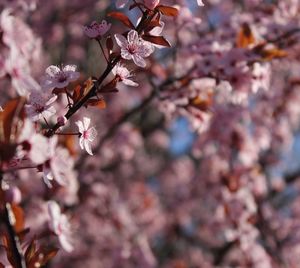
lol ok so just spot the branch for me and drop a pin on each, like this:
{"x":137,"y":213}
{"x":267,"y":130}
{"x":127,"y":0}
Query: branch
{"x":93,"y":91}
{"x":14,"y":239}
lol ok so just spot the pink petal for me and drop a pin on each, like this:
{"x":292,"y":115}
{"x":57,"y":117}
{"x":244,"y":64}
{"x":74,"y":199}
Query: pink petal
{"x":86,"y":122}
{"x":132,"y":36}
{"x":139,"y":61}
{"x":87,"y":147}
{"x":121,"y":40}
{"x":130,"y":83}
{"x":52,"y":70}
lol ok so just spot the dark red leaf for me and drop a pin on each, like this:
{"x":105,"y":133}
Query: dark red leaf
{"x":122,"y":18}
{"x":109,"y":44}
{"x":167,"y":11}
{"x":158,"y":40}
{"x":100,"y":104}
{"x":11,"y":119}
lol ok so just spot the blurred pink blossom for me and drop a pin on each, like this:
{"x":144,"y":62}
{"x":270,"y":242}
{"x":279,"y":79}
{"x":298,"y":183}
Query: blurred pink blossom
{"x":59,"y":224}
{"x":40,"y":106}
{"x":95,"y":29}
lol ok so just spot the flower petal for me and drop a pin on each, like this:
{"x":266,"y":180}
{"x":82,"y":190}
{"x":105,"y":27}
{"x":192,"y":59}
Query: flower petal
{"x":138,"y":60}
{"x":121,"y":40}
{"x":86,"y":122}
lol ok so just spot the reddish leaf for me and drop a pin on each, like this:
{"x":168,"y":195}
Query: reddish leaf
{"x":109,"y":87}
{"x":109,"y":44}
{"x":57,"y":91}
{"x":100,"y":104}
{"x":122,"y":18}
{"x":269,"y":54}
{"x":7,"y":151}
{"x":48,"y":254}
{"x":19,"y":217}
{"x":81,"y":91}
{"x":151,"y":25}
{"x":168,"y":11}
{"x":77,"y":93}
{"x":11,"y":119}
{"x":8,"y":248}
{"x":2,"y":265}
{"x":158,"y":40}
{"x":30,"y":251}
{"x":69,"y":142}
{"x":245,"y":36}
{"x":202,"y":104}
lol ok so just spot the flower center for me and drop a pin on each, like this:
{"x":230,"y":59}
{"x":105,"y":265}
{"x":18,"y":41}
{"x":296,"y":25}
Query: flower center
{"x":38,"y":108}
{"x":61,"y":77}
{"x":85,"y":134}
{"x":131,"y":48}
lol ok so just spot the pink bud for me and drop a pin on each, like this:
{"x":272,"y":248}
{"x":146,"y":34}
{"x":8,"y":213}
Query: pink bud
{"x":13,"y":195}
{"x":151,"y":4}
{"x":61,"y":120}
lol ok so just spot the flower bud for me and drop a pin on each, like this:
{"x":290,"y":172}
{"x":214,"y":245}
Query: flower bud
{"x":61,"y":120}
{"x":13,"y":195}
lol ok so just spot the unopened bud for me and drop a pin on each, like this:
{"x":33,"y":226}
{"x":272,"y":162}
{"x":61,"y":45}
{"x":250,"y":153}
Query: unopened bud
{"x":61,"y":120}
{"x":13,"y":195}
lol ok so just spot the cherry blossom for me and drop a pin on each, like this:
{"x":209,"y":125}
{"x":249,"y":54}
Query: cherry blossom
{"x":58,"y":164}
{"x":59,"y":224}
{"x":40,"y":106}
{"x":59,"y":77}
{"x":123,"y":74}
{"x":95,"y":29}
{"x":134,"y":48}
{"x":32,"y":144}
{"x":87,"y":134}
{"x":18,"y":69}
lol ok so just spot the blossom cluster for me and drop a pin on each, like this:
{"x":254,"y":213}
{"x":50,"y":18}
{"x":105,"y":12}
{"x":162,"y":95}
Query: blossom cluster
{"x":149,"y":133}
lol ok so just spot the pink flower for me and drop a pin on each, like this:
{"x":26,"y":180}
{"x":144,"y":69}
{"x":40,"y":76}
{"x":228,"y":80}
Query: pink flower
{"x":59,"y":77}
{"x":151,"y":4}
{"x":121,"y":3}
{"x":123,"y":74}
{"x":40,"y":106}
{"x":32,"y":145}
{"x":96,"y":29}
{"x":58,"y":166}
{"x":87,"y":134}
{"x":59,"y":224}
{"x":134,"y":48}
{"x":18,"y":70}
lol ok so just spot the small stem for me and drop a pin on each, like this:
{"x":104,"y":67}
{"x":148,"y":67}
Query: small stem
{"x":46,"y":122}
{"x":68,"y":134}
{"x":18,"y":168}
{"x":102,"y":49}
{"x":68,"y":97}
